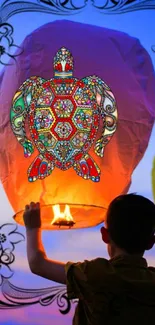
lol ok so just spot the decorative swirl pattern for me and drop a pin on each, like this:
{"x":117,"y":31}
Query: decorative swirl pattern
{"x":10,"y":8}
{"x":122,"y":6}
{"x":61,"y":7}
{"x":16,"y":297}
{"x":18,"y":122}
{"x":8,"y":238}
{"x":17,"y":109}
{"x":62,"y":301}
{"x":7,"y":258}
{"x":7,"y":46}
{"x":111,"y":123}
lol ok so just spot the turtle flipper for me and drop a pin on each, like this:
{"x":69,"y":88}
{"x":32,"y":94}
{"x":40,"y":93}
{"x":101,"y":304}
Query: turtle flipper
{"x":107,"y":108}
{"x":20,"y":109}
{"x":40,"y":168}
{"x":87,"y":168}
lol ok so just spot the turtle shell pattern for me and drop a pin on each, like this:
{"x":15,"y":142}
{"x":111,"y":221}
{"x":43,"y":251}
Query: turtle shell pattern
{"x":64,"y":121}
{"x":64,"y":116}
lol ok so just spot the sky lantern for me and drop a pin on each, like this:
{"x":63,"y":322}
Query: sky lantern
{"x":76,"y":115}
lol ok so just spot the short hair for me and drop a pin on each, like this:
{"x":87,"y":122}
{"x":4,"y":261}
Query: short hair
{"x":131,"y":222}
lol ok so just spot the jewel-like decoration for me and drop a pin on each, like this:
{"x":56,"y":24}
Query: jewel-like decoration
{"x":63,"y":107}
{"x":63,"y":150}
{"x":63,"y":64}
{"x":48,"y":140}
{"x":64,"y":115}
{"x":45,"y":98}
{"x":79,"y":139}
{"x":83,"y":118}
{"x":44,"y":119}
{"x":63,"y":130}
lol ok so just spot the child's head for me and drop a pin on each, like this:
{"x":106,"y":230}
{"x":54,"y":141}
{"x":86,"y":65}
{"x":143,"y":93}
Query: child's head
{"x":130,"y":224}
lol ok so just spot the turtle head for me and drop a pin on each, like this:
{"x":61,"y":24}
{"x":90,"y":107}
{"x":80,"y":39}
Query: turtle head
{"x":63,"y":64}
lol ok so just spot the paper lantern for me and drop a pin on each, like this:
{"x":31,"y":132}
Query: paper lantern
{"x":125,"y":71}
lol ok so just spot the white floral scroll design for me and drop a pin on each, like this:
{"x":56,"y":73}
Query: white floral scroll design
{"x":9,"y":8}
{"x":9,"y":237}
{"x":8,"y":50}
{"x":16,"y":297}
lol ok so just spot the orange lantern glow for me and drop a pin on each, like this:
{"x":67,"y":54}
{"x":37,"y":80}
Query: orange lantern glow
{"x":77,"y":194}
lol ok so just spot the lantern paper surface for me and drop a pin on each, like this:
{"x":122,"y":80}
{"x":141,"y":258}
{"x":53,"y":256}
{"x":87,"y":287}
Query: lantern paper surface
{"x":79,"y":144}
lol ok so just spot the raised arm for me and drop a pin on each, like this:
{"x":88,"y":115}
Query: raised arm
{"x":38,"y":262}
{"x":20,"y":109}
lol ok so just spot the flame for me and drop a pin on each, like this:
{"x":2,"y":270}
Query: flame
{"x":58,"y":215}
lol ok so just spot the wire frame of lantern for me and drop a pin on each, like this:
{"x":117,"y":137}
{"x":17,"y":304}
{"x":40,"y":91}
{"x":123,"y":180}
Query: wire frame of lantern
{"x":66,"y":216}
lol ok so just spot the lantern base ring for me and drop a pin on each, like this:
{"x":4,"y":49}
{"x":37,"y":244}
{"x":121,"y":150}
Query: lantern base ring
{"x":82,"y":216}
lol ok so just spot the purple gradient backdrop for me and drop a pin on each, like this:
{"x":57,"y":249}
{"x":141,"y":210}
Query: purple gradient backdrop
{"x":87,"y":243}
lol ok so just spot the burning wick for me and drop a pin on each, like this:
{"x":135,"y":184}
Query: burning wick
{"x":62,"y":218}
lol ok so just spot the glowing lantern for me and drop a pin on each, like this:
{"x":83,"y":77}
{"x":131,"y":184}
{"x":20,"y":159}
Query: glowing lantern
{"x":64,"y":116}
{"x":126,"y":74}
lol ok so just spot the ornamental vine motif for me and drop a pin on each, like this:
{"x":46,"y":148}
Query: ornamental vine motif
{"x":15,"y":297}
{"x":8,"y":50}
{"x":9,"y":8}
{"x":68,"y":7}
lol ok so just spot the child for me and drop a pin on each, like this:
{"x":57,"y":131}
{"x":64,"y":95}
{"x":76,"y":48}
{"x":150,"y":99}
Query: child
{"x":116,"y":291}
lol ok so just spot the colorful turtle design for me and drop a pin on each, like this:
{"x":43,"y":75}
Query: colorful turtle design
{"x":64,"y":115}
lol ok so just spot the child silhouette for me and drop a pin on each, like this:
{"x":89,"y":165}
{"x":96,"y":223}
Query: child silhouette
{"x":120,"y":290}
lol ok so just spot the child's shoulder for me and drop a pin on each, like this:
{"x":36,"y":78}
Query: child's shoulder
{"x":99,"y":261}
{"x":99,"y":265}
{"x":151,"y":268}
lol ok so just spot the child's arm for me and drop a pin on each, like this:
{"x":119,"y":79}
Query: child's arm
{"x":38,"y":262}
{"x":75,"y":275}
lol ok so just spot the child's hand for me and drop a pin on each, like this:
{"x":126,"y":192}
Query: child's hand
{"x":31,"y":215}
